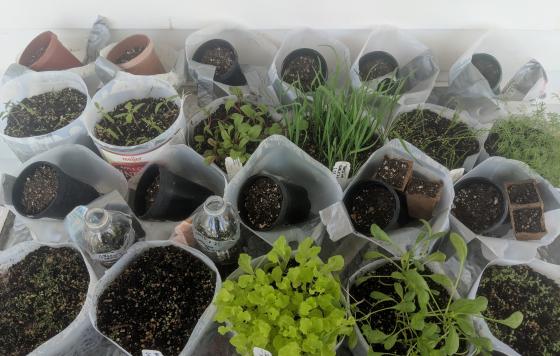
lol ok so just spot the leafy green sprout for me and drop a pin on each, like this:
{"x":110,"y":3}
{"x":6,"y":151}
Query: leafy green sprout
{"x":289,"y":304}
{"x":339,"y":124}
{"x":422,"y":325}
{"x":245,"y":124}
{"x":531,"y":138}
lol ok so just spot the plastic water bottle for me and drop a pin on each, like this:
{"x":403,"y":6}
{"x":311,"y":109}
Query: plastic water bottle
{"x":216,"y":230}
{"x":107,"y":235}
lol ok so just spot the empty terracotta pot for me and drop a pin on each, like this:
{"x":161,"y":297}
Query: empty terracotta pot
{"x":46,"y":52}
{"x":136,"y":54}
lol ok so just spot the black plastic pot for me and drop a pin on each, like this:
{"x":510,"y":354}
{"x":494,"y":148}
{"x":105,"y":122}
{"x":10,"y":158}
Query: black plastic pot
{"x":176,"y":199}
{"x":71,"y":193}
{"x":490,"y":69}
{"x":352,"y":191}
{"x":295,"y":201}
{"x":379,"y":57}
{"x":308,"y":52}
{"x":499,"y":227}
{"x":234,"y":76}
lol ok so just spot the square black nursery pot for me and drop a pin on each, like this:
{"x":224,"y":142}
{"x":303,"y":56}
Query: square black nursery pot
{"x":69,"y":193}
{"x":163,"y":195}
{"x":233,"y":75}
{"x":293,"y":206}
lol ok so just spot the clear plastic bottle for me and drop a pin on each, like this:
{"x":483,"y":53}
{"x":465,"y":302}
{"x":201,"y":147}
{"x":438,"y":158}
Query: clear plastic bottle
{"x":107,"y":234}
{"x":216,"y":230}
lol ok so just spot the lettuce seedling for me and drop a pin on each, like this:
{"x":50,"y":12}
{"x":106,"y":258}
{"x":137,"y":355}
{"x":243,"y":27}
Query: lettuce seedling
{"x":288,"y":304}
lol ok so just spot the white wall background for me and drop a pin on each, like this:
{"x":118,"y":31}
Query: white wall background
{"x":267,"y":14}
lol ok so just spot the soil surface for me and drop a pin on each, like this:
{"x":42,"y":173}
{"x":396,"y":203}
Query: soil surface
{"x":39,"y":190}
{"x":420,"y":186}
{"x":35,"y":56}
{"x":39,"y":297}
{"x":129,"y":54}
{"x":156,"y":301}
{"x":449,"y":142}
{"x":151,"y":193}
{"x":395,"y":172}
{"x":222,"y":57}
{"x":523,"y":193}
{"x":375,"y":68}
{"x":262,"y":203}
{"x":519,"y":288}
{"x":304,"y":71}
{"x":385,"y":320}
{"x":136,"y":121}
{"x":478,"y":206}
{"x":528,"y":220}
{"x":369,"y":204}
{"x":44,"y":113}
{"x":488,"y":69}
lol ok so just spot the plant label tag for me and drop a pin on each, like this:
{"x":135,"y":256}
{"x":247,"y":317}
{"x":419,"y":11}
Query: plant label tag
{"x":341,"y":171}
{"x":151,"y":353}
{"x":233,"y":166}
{"x":456,"y":174}
{"x":257,"y":351}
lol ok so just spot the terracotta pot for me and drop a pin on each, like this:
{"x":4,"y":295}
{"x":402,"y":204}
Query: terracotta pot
{"x":516,"y":207}
{"x":407,"y":174}
{"x":513,"y":205}
{"x":145,"y":63}
{"x":46,"y":52}
{"x":421,"y":206}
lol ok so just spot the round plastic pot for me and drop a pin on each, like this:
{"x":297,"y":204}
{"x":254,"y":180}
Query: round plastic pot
{"x":305,"y":52}
{"x":145,"y":63}
{"x":234,"y":76}
{"x":398,"y":200}
{"x":378,"y":56}
{"x":176,"y":199}
{"x":497,"y":226}
{"x":54,"y":57}
{"x":71,"y":193}
{"x":485,"y":62}
{"x":295,"y":202}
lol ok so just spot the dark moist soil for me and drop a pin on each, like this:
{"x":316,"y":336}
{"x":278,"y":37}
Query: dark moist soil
{"x":519,"y":288}
{"x":221,"y":115}
{"x":35,"y":56}
{"x":446,"y":141}
{"x":375,"y":68}
{"x":478,"y":206}
{"x":39,"y":190}
{"x":370,"y":204}
{"x":528,"y":220}
{"x":261,"y":202}
{"x":394,"y":172}
{"x":223,"y":58}
{"x":151,"y":193}
{"x":156,"y":301}
{"x":488,"y":70}
{"x":146,"y":123}
{"x":44,"y":113}
{"x":523,"y":193}
{"x":421,"y":186}
{"x":129,"y":54}
{"x":302,"y":71}
{"x":39,"y":297}
{"x":386,"y":320}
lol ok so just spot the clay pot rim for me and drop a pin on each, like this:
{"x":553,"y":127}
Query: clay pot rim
{"x":117,"y":50}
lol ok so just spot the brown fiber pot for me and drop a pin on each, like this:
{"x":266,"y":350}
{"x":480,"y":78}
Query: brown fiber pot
{"x":145,"y":63}
{"x":54,"y":57}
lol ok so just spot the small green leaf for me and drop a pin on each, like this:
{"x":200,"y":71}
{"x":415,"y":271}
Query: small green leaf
{"x":452,"y":341}
{"x":390,"y":342}
{"x":229,"y":104}
{"x":459,"y":245}
{"x":373,"y":255}
{"x":442,"y":280}
{"x":379,"y":234}
{"x":513,"y":321}
{"x":469,"y":306}
{"x":417,"y":321}
{"x":244,"y":262}
{"x":199,"y":138}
